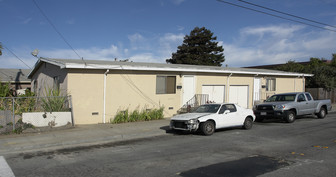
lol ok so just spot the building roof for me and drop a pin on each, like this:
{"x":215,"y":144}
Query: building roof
{"x":118,"y":65}
{"x":14,"y":75}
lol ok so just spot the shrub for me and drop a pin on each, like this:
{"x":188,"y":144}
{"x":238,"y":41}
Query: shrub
{"x":136,"y":115}
{"x":54,"y":101}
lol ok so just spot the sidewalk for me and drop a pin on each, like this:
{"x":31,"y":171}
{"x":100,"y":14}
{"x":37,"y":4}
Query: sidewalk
{"x":81,"y":135}
{"x":84,"y":135}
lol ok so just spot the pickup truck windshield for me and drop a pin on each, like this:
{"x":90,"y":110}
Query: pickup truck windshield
{"x":209,"y":108}
{"x":280,"y":98}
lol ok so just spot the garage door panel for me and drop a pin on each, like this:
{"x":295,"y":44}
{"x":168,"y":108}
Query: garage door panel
{"x":239,"y":95}
{"x":215,"y":92}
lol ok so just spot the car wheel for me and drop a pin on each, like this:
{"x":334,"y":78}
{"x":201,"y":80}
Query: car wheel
{"x":248,"y":123}
{"x":290,"y":117}
{"x":208,"y":128}
{"x":322,"y":113}
{"x":259,"y":119}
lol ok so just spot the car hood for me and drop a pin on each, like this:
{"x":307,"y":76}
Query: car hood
{"x":273,"y":103}
{"x":189,"y":116}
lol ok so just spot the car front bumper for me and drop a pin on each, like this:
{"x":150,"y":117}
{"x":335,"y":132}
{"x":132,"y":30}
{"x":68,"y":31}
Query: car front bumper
{"x":271,"y":113}
{"x":183,"y":125}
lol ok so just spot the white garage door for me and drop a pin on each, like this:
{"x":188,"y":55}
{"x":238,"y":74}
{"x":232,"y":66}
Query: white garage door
{"x":215,"y":92}
{"x":239,"y":95}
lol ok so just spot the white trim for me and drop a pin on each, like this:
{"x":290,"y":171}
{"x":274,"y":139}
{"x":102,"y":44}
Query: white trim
{"x":150,"y":68}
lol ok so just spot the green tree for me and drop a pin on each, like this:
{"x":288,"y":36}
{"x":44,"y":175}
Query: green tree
{"x":333,"y":60}
{"x":324,"y":77}
{"x":291,"y":66}
{"x":0,"y":49}
{"x":324,"y":74}
{"x":199,"y":48}
{"x":5,"y":90}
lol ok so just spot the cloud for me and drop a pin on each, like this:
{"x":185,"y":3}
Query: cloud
{"x":70,"y":21}
{"x":256,"y":45}
{"x":277,"y":44}
{"x":26,"y":21}
{"x":138,"y":42}
{"x":178,"y":2}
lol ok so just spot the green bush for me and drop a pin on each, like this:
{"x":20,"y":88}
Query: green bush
{"x":136,"y":115}
{"x":54,"y":102}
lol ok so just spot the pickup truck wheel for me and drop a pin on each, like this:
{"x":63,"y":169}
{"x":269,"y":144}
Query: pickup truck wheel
{"x":208,"y":128}
{"x":248,"y":123}
{"x":322,"y":113}
{"x":290,"y":117}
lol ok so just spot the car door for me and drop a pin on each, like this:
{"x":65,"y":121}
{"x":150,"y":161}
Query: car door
{"x":311,"y":104}
{"x":227,"y":116}
{"x":302,"y":104}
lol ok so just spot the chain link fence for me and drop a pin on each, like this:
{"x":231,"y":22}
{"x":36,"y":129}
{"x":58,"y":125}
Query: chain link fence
{"x":16,"y":112}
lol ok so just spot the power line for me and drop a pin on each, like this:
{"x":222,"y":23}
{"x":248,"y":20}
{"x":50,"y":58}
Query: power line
{"x":275,"y":15}
{"x":54,"y":27}
{"x":302,"y":18}
{"x":16,"y":56}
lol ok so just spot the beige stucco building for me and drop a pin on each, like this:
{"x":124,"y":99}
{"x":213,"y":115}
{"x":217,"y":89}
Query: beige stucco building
{"x":99,"y":89}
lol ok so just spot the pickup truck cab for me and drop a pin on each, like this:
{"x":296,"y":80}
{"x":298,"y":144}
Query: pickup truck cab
{"x":289,"y":105}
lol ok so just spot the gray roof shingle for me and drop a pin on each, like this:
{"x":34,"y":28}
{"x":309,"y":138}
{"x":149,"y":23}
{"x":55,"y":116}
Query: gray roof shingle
{"x":14,"y":75}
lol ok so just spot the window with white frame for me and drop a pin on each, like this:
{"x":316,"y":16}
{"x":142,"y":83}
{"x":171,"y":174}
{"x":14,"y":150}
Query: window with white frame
{"x":165,"y":84}
{"x":270,"y":84}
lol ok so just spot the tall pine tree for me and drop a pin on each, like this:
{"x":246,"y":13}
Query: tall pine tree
{"x":199,"y":48}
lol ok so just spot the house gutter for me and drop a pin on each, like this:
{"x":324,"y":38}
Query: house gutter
{"x":104,"y":104}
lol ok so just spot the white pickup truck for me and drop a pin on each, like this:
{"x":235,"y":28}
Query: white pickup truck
{"x":289,"y":105}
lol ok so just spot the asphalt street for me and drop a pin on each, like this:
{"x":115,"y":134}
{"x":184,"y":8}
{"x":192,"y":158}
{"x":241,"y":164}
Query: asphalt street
{"x":306,"y":147}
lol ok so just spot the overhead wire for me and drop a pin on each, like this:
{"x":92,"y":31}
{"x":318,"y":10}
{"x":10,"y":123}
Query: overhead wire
{"x":259,"y":11}
{"x":54,"y":27}
{"x":16,"y":56}
{"x":288,"y":14}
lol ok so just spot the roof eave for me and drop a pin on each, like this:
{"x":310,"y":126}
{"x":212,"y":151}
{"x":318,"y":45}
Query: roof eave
{"x":120,"y":67}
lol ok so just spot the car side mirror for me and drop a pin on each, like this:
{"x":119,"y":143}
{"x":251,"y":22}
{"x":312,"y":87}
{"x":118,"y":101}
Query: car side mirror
{"x":227,"y":111}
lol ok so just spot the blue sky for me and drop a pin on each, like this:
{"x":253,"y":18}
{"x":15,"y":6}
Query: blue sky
{"x":150,"y":30}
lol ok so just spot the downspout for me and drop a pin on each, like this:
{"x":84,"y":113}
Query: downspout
{"x":303,"y":84}
{"x":228,"y":88}
{"x":104,"y":104}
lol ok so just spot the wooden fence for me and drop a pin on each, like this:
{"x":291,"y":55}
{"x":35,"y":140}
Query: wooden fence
{"x":320,"y":94}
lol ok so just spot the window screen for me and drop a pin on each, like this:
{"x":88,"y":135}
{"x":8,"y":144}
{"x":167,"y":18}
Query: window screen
{"x":270,"y":84}
{"x":165,"y":84}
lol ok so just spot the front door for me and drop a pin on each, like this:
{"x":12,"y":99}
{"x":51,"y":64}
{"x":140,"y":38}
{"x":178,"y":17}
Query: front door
{"x":188,"y":88}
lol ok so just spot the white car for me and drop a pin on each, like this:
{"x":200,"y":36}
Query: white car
{"x":210,"y":117}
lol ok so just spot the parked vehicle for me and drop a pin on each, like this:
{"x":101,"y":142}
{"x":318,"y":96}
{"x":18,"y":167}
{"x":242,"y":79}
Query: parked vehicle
{"x":289,"y":105}
{"x":209,"y":117}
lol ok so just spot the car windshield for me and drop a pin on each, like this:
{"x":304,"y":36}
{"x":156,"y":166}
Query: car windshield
{"x":208,"y":108}
{"x":279,"y":98}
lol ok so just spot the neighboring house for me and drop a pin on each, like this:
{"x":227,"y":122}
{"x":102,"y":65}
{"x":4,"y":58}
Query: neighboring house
{"x":101,"y":88}
{"x":17,"y":78}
